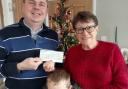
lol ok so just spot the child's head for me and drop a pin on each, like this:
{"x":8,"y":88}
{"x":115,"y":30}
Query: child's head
{"x":58,"y":79}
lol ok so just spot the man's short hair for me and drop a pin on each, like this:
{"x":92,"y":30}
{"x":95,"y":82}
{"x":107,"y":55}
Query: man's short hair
{"x":24,"y":1}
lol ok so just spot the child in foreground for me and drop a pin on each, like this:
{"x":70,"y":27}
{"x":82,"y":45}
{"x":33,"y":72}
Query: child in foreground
{"x":59,"y":79}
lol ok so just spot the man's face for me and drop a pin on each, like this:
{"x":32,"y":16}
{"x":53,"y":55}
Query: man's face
{"x":35,"y":10}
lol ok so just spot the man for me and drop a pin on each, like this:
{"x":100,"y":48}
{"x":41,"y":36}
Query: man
{"x":20,"y":45}
{"x":59,"y":79}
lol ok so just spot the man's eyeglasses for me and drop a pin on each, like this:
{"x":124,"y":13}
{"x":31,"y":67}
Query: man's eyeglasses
{"x":89,"y":29}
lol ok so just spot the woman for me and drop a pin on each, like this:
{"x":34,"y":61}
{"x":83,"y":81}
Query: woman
{"x":94,"y":64}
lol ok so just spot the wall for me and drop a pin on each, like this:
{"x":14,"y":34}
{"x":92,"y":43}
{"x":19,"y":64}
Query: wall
{"x":7,"y":12}
{"x":112,"y":13}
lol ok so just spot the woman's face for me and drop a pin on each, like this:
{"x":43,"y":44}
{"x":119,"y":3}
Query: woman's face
{"x":86,"y":32}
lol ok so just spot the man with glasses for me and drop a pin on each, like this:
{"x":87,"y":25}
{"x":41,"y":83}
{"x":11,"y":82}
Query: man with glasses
{"x":20,"y":45}
{"x":94,"y":64}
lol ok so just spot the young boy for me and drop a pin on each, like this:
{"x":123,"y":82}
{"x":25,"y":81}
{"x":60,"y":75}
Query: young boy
{"x":59,"y":79}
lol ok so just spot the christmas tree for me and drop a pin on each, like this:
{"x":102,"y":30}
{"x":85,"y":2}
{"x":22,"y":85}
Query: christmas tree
{"x":61,"y":23}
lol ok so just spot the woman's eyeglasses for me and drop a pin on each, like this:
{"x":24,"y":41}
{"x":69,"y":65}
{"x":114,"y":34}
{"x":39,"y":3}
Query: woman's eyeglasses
{"x":89,"y":29}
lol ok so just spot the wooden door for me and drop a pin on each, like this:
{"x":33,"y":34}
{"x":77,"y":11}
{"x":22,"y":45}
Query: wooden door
{"x":79,"y":5}
{"x":75,"y":6}
{"x":17,"y":9}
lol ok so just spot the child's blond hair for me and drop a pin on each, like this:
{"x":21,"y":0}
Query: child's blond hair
{"x":57,"y":76}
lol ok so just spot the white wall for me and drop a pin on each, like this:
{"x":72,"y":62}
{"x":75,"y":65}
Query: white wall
{"x":7,"y":12}
{"x":112,"y":13}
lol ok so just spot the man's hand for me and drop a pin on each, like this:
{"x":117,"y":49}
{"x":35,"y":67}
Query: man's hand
{"x":49,"y":66}
{"x":29,"y":64}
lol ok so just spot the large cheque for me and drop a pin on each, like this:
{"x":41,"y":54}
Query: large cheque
{"x":55,"y":56}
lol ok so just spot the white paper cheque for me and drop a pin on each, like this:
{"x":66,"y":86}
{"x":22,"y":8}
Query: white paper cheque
{"x":55,"y":56}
